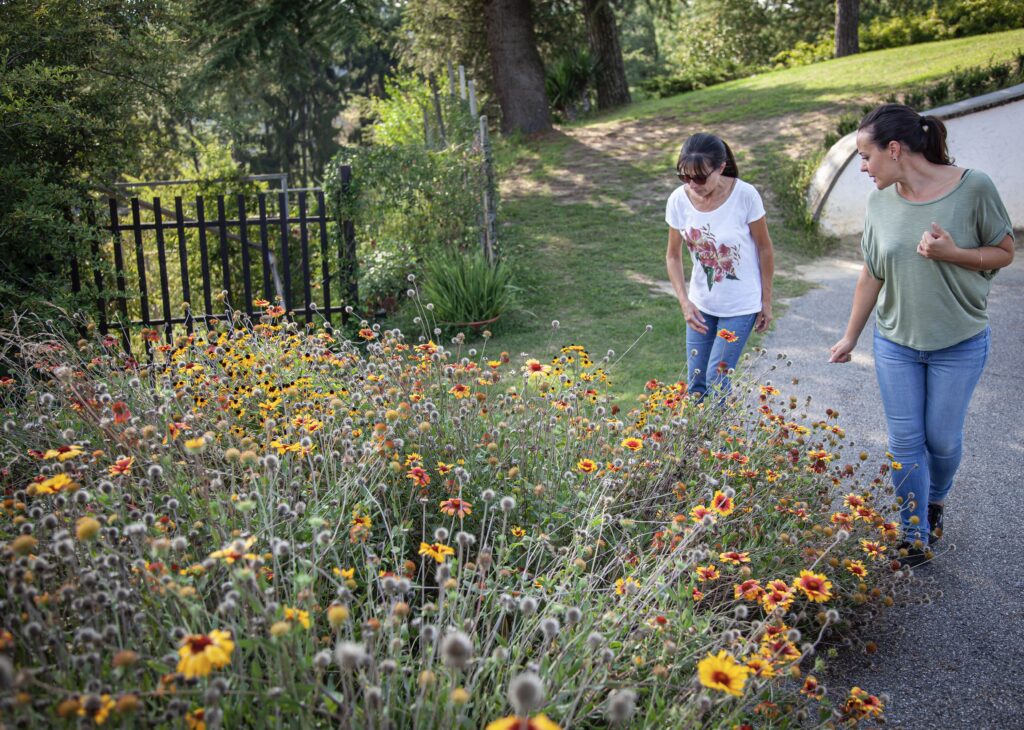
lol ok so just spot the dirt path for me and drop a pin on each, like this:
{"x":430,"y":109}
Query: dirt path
{"x":613,"y":155}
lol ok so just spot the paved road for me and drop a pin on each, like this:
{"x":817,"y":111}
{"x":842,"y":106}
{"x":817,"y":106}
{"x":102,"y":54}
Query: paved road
{"x":957,"y":661}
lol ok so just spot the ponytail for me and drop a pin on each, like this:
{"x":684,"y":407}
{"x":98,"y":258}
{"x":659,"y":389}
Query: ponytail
{"x":925,"y":135}
{"x":703,"y":152}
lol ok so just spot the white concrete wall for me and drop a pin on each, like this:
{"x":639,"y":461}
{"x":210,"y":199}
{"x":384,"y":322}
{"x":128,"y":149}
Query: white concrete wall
{"x":986,"y":137}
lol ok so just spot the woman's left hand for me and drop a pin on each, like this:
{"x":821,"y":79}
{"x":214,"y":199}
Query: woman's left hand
{"x":764,"y":318}
{"x":936,"y":244}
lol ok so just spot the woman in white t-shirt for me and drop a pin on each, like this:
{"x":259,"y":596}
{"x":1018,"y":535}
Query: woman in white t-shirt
{"x":721,"y":221}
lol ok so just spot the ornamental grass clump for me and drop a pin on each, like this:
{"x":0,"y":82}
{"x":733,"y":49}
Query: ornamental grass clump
{"x":267,"y":525}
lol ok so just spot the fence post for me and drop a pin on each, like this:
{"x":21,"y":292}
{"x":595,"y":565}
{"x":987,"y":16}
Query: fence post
{"x":451,"y":79}
{"x":437,"y":109}
{"x":472,"y":98}
{"x":462,"y":81}
{"x":347,"y":271}
{"x":489,"y":194}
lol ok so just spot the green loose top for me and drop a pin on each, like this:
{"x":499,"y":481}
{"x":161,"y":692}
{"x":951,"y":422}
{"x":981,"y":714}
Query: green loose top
{"x":927,"y":304}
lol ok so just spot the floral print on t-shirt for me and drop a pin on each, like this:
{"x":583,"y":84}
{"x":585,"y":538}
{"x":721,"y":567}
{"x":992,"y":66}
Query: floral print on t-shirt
{"x":719,"y":261}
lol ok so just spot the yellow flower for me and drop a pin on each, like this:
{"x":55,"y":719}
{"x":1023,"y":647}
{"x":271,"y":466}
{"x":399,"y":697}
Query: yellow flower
{"x":86,"y":528}
{"x":437,"y":551}
{"x":624,"y":586}
{"x":194,"y":446}
{"x":100,"y":715}
{"x":296,"y":614}
{"x":337,"y":615}
{"x":586,"y":465}
{"x":202,"y":653}
{"x":723,"y":672}
{"x":52,"y":485}
{"x":632,"y":443}
{"x":537,"y":722}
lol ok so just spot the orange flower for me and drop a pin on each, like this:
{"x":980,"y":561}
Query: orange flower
{"x":699,"y":512}
{"x":419,"y":476}
{"x":460,"y":390}
{"x":749,"y":590}
{"x":456,"y":507}
{"x":872,"y":548}
{"x":815,"y":586}
{"x":122,"y":466}
{"x":121,"y":412}
{"x":727,"y":335}
{"x":810,"y":687}
{"x":734,"y":558}
{"x":632,"y":443}
{"x":722,"y":504}
{"x":707,"y":572}
{"x":586,"y":466}
{"x":857,"y":568}
{"x":518,"y":531}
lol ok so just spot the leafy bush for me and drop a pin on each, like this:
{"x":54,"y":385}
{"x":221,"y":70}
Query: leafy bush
{"x":389,"y":532}
{"x":397,"y":118}
{"x":804,"y":53}
{"x":409,"y":204}
{"x":670,"y":85}
{"x":903,"y":31}
{"x":464,"y":288}
{"x":567,"y":81}
{"x":953,"y":19}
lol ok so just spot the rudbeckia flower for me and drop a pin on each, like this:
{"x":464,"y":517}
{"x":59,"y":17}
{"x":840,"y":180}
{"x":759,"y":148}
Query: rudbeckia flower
{"x":437,"y":551}
{"x":202,"y":653}
{"x":723,"y":672}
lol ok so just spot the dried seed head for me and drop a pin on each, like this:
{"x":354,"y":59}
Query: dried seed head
{"x":507,"y":504}
{"x":526,"y":693}
{"x":550,"y":627}
{"x":456,"y":649}
{"x":528,"y":605}
{"x":621,"y":706}
{"x":350,"y":655}
{"x":573,"y":616}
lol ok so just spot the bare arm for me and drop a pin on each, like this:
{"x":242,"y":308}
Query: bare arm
{"x":674,"y":264}
{"x":864,"y":298}
{"x":766,"y":261}
{"x":938,"y":244}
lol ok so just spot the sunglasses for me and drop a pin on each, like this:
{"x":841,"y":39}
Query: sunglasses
{"x":687,"y":179}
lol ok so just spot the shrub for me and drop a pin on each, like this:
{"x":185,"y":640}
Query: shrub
{"x":804,"y":53}
{"x":567,"y":81}
{"x":463,"y":288}
{"x":269,"y":525}
{"x":408,"y":204}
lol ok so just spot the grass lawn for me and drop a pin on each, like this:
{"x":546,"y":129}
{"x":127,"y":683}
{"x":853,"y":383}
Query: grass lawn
{"x":583,"y":259}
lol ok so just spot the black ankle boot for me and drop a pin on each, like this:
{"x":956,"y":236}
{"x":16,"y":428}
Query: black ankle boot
{"x":934,"y":523}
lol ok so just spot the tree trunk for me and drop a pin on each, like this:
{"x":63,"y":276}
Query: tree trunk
{"x":847,"y":18}
{"x":516,"y":66}
{"x":603,"y":35}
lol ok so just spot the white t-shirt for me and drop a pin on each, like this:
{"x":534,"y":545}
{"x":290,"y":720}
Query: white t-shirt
{"x":726,"y":279}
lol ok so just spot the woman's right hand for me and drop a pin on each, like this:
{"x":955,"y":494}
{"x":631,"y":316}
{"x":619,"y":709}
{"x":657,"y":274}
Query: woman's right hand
{"x":694,"y":319}
{"x":841,"y":351}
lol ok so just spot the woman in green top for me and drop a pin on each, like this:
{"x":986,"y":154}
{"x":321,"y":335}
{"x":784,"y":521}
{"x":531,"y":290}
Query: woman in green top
{"x":934,"y":236}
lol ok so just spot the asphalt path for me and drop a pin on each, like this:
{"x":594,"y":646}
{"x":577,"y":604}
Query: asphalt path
{"x":955,"y":657}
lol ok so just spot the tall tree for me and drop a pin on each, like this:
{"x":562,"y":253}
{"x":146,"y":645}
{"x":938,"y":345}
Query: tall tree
{"x":603,"y":35}
{"x":277,"y":73}
{"x":847,"y":19}
{"x":516,"y":66}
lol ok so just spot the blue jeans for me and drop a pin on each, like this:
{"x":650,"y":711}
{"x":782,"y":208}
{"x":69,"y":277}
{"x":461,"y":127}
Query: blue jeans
{"x":709,"y":358}
{"x":925,"y":395}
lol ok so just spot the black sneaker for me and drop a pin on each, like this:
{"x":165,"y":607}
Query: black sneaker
{"x":934,"y":523}
{"x":910,"y":556}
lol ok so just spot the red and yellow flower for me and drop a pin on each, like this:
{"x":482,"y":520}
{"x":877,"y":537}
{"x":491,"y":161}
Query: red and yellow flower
{"x":200,"y":654}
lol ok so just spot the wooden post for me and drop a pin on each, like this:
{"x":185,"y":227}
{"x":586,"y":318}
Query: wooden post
{"x":489,"y":194}
{"x":428,"y":138}
{"x":462,"y":81}
{"x":451,"y":79}
{"x":437,"y":110}
{"x":472,"y":98}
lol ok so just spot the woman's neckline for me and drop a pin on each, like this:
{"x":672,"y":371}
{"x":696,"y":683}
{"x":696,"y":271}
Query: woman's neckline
{"x":735,"y":181}
{"x":963,"y":177}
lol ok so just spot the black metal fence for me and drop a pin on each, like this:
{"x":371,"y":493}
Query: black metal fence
{"x":246,"y":249}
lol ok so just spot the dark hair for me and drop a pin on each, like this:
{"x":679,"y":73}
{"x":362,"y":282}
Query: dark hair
{"x":703,"y":152}
{"x":899,"y":123}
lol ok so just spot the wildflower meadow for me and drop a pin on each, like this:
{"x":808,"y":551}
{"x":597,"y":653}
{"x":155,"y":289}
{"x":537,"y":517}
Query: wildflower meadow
{"x":269,"y":525}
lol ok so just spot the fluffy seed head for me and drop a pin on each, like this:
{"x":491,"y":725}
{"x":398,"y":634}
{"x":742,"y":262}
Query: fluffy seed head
{"x":526,"y":693}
